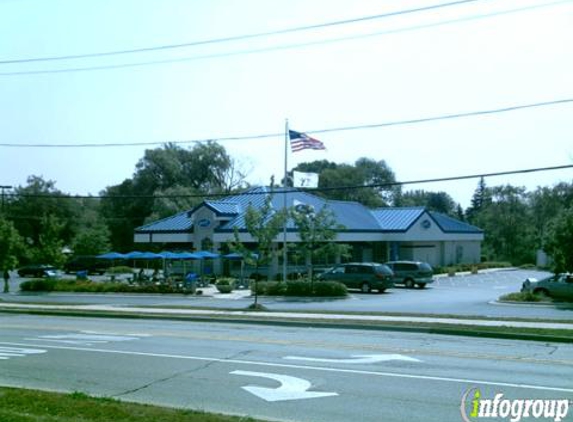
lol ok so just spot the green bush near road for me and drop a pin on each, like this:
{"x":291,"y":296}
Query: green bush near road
{"x":301,"y":288}
{"x":87,"y":286}
{"x":470,"y":267}
{"x":524,"y":297}
{"x":20,"y":405}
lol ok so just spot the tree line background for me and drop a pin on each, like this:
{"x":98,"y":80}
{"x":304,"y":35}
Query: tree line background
{"x":37,"y":220}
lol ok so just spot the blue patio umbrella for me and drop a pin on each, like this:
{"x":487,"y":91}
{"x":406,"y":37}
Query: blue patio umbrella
{"x":150,"y":255}
{"x":207,"y":255}
{"x":169,"y":255}
{"x":235,"y":256}
{"x":111,"y":255}
{"x":133,"y":255}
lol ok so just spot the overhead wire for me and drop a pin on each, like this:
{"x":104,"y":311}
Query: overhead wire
{"x":311,"y":131}
{"x":268,"y":49}
{"x":240,"y":37}
{"x":279,"y":190}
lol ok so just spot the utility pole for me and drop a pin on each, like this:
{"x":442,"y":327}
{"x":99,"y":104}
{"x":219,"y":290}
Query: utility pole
{"x":3,"y":188}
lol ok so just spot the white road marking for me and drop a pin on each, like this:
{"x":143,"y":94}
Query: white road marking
{"x":86,"y":338}
{"x":291,"y":388}
{"x":357,"y":359}
{"x":303,"y":367}
{"x":16,"y":352}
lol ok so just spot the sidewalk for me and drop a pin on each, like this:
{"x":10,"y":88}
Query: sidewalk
{"x":292,"y":316}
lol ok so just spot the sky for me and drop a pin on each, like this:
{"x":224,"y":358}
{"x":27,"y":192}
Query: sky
{"x":475,"y":56}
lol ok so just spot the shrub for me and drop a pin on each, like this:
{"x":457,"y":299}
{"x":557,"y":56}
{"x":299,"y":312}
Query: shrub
{"x":87,"y":286}
{"x":524,"y":297}
{"x":302,"y":288}
{"x":330,"y":288}
{"x":38,"y":285}
{"x":225,"y":281}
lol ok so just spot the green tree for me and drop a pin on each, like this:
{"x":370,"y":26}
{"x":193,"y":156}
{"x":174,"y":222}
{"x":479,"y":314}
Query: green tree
{"x":171,"y":170}
{"x":11,"y":246}
{"x":506,"y":221}
{"x":317,"y":232}
{"x":545,"y":204}
{"x":480,"y":199}
{"x":173,"y":200}
{"x":44,"y":217}
{"x":92,"y":241}
{"x":50,"y":245}
{"x":558,"y":241}
{"x":373,"y":181}
{"x":123,"y":209}
{"x":433,"y":201}
{"x":264,"y":225}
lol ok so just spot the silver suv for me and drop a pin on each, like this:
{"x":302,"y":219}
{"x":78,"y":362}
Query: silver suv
{"x":411,"y":273}
{"x":366,"y":276}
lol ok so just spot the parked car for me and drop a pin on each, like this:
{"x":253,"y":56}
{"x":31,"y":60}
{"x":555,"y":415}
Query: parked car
{"x":40,"y":270}
{"x":556,"y":286}
{"x":87,"y":263}
{"x":411,"y":273}
{"x":366,"y":276}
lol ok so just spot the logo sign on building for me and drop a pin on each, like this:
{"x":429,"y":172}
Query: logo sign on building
{"x":204,"y":223}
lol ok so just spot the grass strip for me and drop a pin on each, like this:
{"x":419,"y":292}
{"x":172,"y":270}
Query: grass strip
{"x":22,"y":405}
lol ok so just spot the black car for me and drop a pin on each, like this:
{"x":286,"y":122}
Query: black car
{"x":90,"y":264}
{"x":40,"y":270}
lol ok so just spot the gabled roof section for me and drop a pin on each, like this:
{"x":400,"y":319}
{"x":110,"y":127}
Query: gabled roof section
{"x":223,"y":208}
{"x":452,"y":225}
{"x":397,"y":219}
{"x":176,"y":223}
{"x":352,"y":215}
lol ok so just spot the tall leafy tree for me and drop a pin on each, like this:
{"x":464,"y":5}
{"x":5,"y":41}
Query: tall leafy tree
{"x":558,"y":241}
{"x":317,"y":232}
{"x":372,"y":181}
{"x":505,"y":219}
{"x":264,"y":224}
{"x":204,"y":169}
{"x":44,"y":216}
{"x":545,"y":204}
{"x":433,"y":201}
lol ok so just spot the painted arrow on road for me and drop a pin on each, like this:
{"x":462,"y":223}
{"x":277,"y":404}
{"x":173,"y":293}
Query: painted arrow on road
{"x":291,"y":388}
{"x":356,"y":359}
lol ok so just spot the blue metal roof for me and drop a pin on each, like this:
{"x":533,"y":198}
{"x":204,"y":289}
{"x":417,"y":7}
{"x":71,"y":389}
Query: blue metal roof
{"x":224,"y":207}
{"x":352,"y":215}
{"x":452,"y":225}
{"x":397,"y":219}
{"x":177,"y":223}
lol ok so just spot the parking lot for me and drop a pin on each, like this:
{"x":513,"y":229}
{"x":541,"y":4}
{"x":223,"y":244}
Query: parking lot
{"x":463,"y":294}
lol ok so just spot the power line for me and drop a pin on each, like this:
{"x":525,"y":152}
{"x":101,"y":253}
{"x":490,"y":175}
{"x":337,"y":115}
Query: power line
{"x":318,"y":190}
{"x":272,"y":48}
{"x":239,"y":37}
{"x":275,"y":135}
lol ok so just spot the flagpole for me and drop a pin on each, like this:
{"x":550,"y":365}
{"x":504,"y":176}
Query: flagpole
{"x":284,"y":204}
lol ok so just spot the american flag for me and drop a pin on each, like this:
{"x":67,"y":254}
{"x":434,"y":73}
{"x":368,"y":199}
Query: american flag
{"x":300,"y":141}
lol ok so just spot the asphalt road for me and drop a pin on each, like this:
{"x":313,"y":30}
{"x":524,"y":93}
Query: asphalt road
{"x":470,"y":295}
{"x":278,"y":373}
